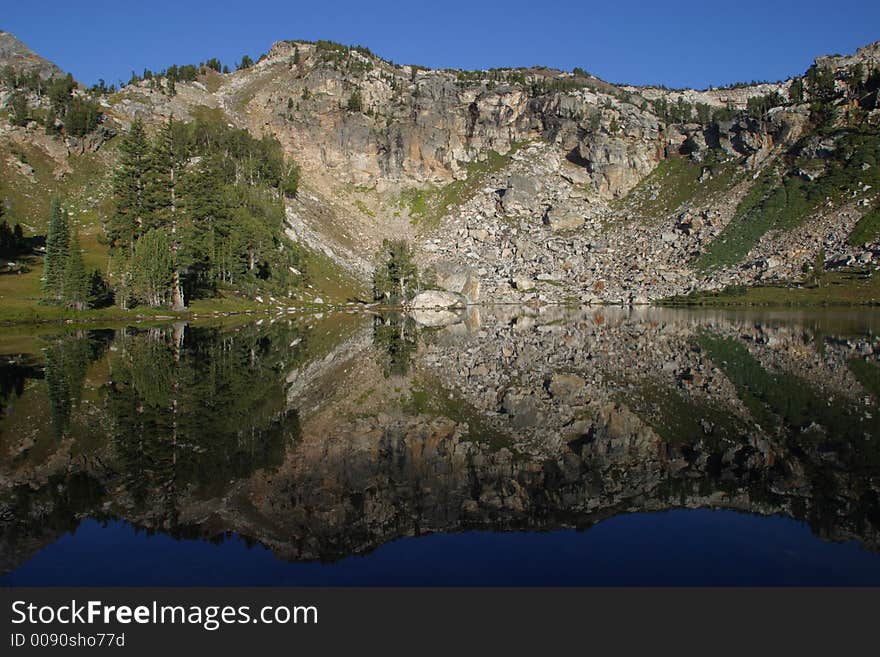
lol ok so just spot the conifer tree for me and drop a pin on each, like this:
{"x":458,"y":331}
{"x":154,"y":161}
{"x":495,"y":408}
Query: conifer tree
{"x":20,"y":109}
{"x":152,"y":268}
{"x":75,"y":282}
{"x":396,"y":277}
{"x":796,"y":91}
{"x":205,"y":216}
{"x":57,"y":243}
{"x":129,"y":189}
{"x":162,"y":198}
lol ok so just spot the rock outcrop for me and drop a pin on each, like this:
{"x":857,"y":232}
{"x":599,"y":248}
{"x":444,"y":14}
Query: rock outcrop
{"x":16,"y":55}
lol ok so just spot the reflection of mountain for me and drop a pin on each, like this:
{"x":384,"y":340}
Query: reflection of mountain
{"x":307,"y":440}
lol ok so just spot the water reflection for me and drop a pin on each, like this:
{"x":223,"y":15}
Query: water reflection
{"x":326,"y":436}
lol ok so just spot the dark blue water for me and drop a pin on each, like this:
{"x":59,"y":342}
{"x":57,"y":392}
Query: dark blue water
{"x":676,"y":548}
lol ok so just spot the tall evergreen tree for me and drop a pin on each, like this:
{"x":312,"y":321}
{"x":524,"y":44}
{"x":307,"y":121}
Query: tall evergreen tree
{"x":166,"y":160}
{"x":57,"y":244}
{"x":75,"y":283}
{"x":796,"y":91}
{"x":396,"y":277}
{"x":20,"y":109}
{"x":129,"y":183}
{"x":152,"y":268}
{"x":206,"y":217}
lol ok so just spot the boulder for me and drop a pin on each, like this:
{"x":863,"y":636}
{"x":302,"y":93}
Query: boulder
{"x":522,"y":282}
{"x":522,"y":409}
{"x":521,"y":195}
{"x":565,"y":386}
{"x":558,"y":219}
{"x":430,"y":299}
{"x":433,"y":318}
{"x":454,"y":278}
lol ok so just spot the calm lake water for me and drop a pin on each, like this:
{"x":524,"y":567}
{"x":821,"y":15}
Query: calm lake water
{"x":504,"y":446}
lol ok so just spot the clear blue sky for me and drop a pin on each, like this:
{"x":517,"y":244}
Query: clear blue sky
{"x":677,"y":43}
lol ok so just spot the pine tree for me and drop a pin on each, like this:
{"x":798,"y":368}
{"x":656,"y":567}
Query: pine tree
{"x":205,"y":217}
{"x":796,"y":91}
{"x":152,"y":268}
{"x":75,"y":282}
{"x":130,"y":212}
{"x":396,"y":277}
{"x":162,"y":198}
{"x":57,"y":243}
{"x":355,"y":103}
{"x":129,"y":189}
{"x":20,"y":109}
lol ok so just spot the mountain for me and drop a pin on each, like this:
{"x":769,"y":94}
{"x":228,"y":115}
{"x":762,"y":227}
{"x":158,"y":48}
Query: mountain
{"x":530,"y":184}
{"x":17,"y":55}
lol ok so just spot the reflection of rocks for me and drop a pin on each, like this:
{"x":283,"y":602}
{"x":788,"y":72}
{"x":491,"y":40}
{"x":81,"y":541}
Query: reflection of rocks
{"x":521,"y":407}
{"x":532,"y":419}
{"x":434,"y":318}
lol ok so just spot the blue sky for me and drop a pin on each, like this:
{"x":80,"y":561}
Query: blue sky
{"x":683,"y":43}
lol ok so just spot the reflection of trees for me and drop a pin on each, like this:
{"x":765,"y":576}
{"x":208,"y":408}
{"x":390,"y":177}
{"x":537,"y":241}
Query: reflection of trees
{"x":66,"y":362}
{"x":191,"y":413}
{"x":833,"y":442}
{"x":396,"y":340}
{"x":13,"y":374}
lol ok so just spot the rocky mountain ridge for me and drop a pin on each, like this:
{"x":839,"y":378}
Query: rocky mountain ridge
{"x":539,"y":184}
{"x":17,"y":55}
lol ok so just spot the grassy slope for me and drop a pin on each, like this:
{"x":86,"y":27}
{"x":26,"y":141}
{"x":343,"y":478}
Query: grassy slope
{"x":673,"y":183}
{"x":847,"y":288}
{"x":84,"y":190}
{"x":867,"y":229}
{"x":781,"y":199}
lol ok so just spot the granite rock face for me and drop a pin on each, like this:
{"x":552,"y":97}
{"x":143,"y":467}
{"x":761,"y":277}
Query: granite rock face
{"x":519,"y":185}
{"x":17,"y":55}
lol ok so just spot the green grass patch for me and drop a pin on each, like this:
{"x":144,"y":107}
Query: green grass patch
{"x":868,"y":374}
{"x":855,"y":287}
{"x":780,"y":401}
{"x":676,"y":181}
{"x":330,"y":280}
{"x":681,"y":419}
{"x":428,"y":397}
{"x":781,"y":199}
{"x":363,"y":209}
{"x":867,"y":229}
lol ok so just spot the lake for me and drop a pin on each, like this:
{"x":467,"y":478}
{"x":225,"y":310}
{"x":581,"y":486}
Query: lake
{"x":504,"y":445}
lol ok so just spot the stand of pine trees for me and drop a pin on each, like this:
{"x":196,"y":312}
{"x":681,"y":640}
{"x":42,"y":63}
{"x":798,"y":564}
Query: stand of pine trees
{"x":199,"y":206}
{"x":65,"y":280}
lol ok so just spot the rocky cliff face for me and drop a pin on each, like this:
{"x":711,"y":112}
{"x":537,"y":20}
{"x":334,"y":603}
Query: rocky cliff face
{"x":17,"y":55}
{"x":536,"y":184}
